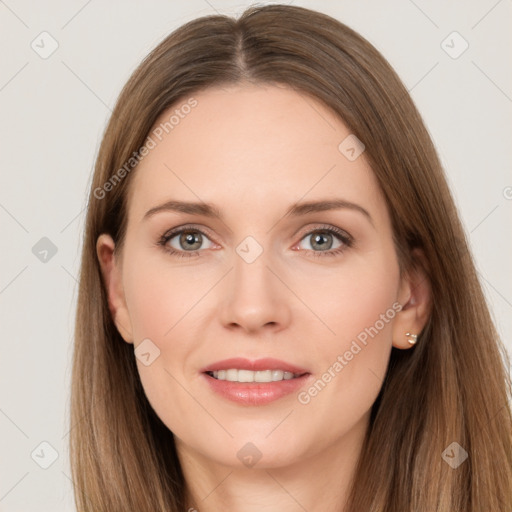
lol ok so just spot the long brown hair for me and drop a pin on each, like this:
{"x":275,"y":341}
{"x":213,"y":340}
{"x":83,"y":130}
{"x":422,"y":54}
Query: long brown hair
{"x":452,"y":387}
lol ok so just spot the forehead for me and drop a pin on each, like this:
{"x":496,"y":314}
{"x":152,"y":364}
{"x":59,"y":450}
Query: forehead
{"x":246,"y":146}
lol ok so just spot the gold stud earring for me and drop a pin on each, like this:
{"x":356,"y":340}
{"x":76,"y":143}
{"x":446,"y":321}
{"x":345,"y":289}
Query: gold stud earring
{"x":412,"y":338}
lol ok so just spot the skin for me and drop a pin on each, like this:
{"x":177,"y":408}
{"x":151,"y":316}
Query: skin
{"x":254,"y":151}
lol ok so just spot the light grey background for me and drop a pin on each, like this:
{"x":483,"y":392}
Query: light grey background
{"x":53,"y":113}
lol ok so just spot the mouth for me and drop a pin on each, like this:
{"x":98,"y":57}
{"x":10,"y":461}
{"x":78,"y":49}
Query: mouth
{"x":257,"y":382}
{"x":249,"y":376}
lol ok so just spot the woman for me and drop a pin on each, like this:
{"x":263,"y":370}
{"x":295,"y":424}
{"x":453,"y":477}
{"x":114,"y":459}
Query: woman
{"x":277,"y":306}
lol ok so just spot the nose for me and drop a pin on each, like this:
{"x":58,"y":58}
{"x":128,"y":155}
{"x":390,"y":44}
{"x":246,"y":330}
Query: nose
{"x":255,"y":296}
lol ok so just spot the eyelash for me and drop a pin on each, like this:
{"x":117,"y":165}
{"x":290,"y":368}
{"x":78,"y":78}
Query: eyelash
{"x":346,"y":239}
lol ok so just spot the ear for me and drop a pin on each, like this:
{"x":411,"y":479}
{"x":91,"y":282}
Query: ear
{"x":112,"y":279}
{"x":415,"y":298}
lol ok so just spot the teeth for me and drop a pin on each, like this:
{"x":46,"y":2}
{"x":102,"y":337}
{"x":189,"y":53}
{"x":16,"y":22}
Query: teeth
{"x":234,"y":375}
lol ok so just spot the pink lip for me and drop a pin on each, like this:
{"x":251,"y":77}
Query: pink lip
{"x":252,"y":393}
{"x":266,"y":363}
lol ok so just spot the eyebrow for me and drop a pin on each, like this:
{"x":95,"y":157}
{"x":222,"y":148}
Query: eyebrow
{"x":296,"y":210}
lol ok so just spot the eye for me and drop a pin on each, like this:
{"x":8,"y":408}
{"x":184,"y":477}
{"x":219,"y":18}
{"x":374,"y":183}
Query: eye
{"x":181,"y":241}
{"x":322,"y":241}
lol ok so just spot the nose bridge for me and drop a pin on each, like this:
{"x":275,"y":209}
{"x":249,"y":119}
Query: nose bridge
{"x":251,"y":263}
{"x":256,"y":297}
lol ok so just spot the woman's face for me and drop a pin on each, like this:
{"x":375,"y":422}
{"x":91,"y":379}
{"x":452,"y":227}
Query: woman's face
{"x":317,"y":290}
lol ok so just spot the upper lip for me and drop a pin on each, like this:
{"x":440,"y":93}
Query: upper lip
{"x":267,"y":363}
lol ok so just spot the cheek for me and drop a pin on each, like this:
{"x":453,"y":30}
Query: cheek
{"x":159,"y":297}
{"x":162,"y":303}
{"x":357,"y":305}
{"x":352,"y":296}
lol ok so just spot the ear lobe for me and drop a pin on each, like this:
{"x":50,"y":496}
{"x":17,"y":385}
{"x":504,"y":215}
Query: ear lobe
{"x":416,"y":299}
{"x":112,"y":281}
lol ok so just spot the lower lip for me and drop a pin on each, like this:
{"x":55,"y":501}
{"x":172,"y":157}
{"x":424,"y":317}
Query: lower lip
{"x":252,"y":393}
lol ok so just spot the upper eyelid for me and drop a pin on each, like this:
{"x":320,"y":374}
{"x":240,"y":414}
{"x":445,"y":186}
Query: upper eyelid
{"x":171,"y":233}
